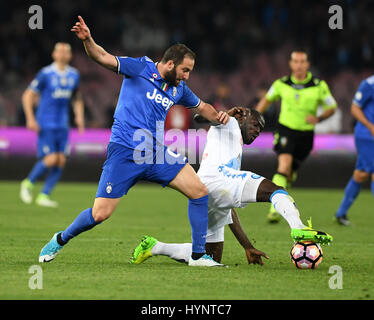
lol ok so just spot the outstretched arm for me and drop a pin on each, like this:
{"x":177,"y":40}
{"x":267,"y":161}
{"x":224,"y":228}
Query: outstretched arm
{"x":209,"y":113}
{"x":263,"y":105}
{"x":253,"y":255}
{"x":94,"y":51}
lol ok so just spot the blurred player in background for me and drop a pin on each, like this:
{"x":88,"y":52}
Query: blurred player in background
{"x":362,"y":110}
{"x":148,"y":91}
{"x":229,"y":188}
{"x":301,"y":94}
{"x":56,"y":86}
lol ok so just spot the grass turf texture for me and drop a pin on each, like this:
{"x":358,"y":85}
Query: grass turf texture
{"x":94,"y":265}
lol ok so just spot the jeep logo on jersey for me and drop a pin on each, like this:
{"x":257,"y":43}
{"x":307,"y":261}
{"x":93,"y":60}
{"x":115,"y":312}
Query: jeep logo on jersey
{"x":164,"y":101}
{"x":61,"y":93}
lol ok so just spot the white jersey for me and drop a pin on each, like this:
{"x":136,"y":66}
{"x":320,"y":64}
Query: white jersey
{"x":224,"y":146}
{"x":220,"y":172}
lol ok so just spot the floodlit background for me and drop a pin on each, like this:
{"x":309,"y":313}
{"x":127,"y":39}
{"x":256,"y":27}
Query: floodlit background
{"x":241,"y":47}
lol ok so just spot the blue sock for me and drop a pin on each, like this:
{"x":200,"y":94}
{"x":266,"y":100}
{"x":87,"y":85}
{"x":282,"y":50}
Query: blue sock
{"x":38,"y":170}
{"x":83,"y":222}
{"x":51,"y":180}
{"x":198,"y":216}
{"x":350,"y":194}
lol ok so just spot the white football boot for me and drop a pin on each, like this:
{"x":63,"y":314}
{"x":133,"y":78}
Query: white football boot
{"x":204,"y":261}
{"x":44,"y":201}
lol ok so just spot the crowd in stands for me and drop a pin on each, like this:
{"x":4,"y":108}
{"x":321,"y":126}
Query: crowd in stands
{"x":241,"y":47}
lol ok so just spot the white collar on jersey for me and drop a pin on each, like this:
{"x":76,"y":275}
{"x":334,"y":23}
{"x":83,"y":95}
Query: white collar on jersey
{"x":61,"y":72}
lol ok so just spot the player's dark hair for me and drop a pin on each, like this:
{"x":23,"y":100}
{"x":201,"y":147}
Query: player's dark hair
{"x":177,"y":53}
{"x":300,"y":49}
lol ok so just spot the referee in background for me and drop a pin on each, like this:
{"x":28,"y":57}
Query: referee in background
{"x":301,"y":94}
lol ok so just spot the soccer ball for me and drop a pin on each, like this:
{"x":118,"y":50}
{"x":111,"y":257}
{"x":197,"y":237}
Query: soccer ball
{"x":306,"y":255}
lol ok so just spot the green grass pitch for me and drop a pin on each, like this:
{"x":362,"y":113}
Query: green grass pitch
{"x":95,"y":265}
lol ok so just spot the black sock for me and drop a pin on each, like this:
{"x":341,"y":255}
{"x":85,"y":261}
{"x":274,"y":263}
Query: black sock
{"x":59,"y":240}
{"x":197,"y":255}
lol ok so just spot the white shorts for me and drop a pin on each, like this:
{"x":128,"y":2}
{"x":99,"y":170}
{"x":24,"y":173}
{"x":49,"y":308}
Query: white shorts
{"x":217,"y":236}
{"x":225,"y":186}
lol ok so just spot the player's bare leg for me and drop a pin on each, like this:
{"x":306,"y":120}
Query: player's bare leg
{"x":215,"y":250}
{"x":360,"y":176}
{"x":103,"y":208}
{"x":188,"y":183}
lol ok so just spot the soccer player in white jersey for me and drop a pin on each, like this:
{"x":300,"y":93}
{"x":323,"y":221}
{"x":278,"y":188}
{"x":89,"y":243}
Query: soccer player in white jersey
{"x":54,"y":87}
{"x":229,"y":188}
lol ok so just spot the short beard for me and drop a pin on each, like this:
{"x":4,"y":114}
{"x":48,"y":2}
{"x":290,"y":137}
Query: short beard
{"x":171,"y":77}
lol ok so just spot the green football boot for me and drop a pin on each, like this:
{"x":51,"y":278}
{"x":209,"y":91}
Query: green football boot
{"x":310,"y":234}
{"x":143,"y":251}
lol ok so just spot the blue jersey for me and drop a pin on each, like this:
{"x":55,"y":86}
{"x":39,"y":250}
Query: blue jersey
{"x":144,"y":102}
{"x":55,"y":88}
{"x":364,"y":98}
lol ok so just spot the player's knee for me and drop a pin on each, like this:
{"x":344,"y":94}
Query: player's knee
{"x":50,"y":160}
{"x":200,"y":191}
{"x":61,"y":161}
{"x":266,"y":189}
{"x":360,"y":176}
{"x":102,"y":213}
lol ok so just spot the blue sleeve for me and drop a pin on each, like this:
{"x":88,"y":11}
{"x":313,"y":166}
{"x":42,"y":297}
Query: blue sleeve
{"x":189,"y":99}
{"x":39,"y":82}
{"x":131,"y":67}
{"x":363,"y":94}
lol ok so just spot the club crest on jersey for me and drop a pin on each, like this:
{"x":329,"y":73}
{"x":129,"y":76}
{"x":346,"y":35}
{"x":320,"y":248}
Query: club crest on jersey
{"x":109,"y":187}
{"x":63,"y":81}
{"x":159,"y":99}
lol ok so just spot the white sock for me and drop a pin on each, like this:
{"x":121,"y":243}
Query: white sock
{"x":180,"y":252}
{"x":286,"y":207}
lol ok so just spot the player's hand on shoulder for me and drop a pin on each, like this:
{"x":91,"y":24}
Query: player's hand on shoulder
{"x":254,"y":256}
{"x":237,"y":112}
{"x":81,"y":30}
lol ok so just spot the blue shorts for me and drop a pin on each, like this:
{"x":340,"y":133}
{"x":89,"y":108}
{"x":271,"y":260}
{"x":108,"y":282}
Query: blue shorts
{"x":121,"y":171}
{"x":365,"y":158}
{"x":51,"y":141}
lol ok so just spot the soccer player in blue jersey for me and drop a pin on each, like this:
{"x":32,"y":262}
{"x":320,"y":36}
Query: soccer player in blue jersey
{"x":362,"y":110}
{"x":55,"y":86}
{"x":136,"y":149}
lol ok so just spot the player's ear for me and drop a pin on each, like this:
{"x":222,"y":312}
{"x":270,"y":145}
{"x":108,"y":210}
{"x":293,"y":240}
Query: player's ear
{"x":170,"y":65}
